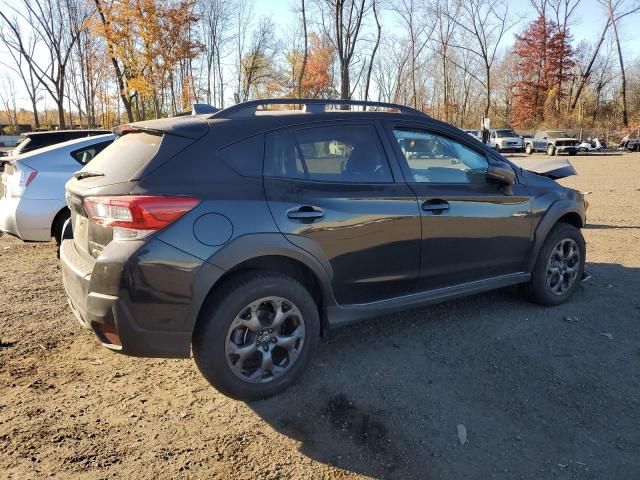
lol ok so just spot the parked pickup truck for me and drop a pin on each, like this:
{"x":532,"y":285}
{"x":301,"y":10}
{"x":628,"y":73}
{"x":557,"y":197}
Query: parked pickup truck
{"x":552,"y":142}
{"x":505,"y":139}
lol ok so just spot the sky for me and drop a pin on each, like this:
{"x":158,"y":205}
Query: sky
{"x":588,"y":20}
{"x":588,"y":24}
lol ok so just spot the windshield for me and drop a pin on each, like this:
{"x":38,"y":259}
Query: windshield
{"x":557,"y":134}
{"x":505,"y":133}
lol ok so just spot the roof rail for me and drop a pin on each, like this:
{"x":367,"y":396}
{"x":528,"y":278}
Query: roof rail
{"x":312,"y":105}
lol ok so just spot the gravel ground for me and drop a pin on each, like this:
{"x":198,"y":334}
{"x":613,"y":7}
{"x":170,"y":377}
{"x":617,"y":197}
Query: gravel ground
{"x":541,"y":392}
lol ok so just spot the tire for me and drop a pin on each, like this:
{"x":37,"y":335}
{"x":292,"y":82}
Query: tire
{"x":528,"y":149}
{"x":497,"y":147}
{"x":572,"y":153}
{"x":551,"y":150}
{"x":58,"y":225}
{"x":540,"y":289}
{"x":224,"y":327}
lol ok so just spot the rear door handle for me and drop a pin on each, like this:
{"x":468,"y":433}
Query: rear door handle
{"x":436,"y":206}
{"x":305,"y":212}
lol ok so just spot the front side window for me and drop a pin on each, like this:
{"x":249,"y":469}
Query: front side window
{"x":346,"y":153}
{"x":433,"y":158}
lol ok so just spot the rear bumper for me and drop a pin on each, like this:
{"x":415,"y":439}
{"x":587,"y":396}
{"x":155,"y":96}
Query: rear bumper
{"x":167,"y":337}
{"x":28,"y":219}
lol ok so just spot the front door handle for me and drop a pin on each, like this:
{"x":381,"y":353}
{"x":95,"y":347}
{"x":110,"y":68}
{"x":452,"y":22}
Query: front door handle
{"x":435,"y":206}
{"x":305,"y":212}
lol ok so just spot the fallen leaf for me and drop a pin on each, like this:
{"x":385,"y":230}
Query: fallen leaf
{"x":571,"y":319}
{"x":608,"y":335}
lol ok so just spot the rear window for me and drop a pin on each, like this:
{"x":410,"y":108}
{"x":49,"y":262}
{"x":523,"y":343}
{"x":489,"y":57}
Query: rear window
{"x":127,"y":154}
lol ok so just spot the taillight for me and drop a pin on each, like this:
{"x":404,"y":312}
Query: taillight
{"x":16,"y":183}
{"x":133,"y":217}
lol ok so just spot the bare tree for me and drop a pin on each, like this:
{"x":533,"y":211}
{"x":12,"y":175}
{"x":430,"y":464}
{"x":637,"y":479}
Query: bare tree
{"x":614,"y":10}
{"x":51,"y":22}
{"x":216,"y":21}
{"x":374,"y":5}
{"x":8,"y":99}
{"x":22,"y":68}
{"x":342,"y":22}
{"x":416,"y":20}
{"x":486,"y":21}
{"x":256,"y":67}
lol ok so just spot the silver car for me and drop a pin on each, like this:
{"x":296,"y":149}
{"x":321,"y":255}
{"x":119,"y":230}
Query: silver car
{"x":33,"y":206}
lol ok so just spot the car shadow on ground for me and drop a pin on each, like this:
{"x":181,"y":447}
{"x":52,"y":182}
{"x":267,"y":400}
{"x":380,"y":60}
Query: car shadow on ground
{"x":537,"y":389}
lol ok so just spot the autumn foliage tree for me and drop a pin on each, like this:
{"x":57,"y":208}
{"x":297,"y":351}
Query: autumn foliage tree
{"x":543,"y":65}
{"x":317,"y":81}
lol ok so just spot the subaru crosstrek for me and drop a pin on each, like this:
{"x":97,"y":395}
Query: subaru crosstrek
{"x":242,"y":235}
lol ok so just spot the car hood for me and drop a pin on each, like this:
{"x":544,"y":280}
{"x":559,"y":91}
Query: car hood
{"x":554,"y":168}
{"x":509,"y":139}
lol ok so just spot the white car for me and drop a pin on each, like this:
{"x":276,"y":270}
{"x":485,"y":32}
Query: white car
{"x":504,"y":140}
{"x":33,"y":206}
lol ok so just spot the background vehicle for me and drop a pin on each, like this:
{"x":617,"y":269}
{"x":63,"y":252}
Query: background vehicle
{"x":591,"y":146}
{"x":552,"y":142}
{"x":35,"y":140}
{"x":505,"y":140}
{"x":474,"y":133}
{"x":33,"y":206}
{"x":241,"y":235}
{"x":633,"y":145}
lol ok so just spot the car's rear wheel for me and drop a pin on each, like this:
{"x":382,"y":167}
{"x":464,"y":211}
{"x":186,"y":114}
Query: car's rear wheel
{"x":551,"y":150}
{"x":559,"y":266}
{"x":528,"y":149}
{"x":58,"y":225}
{"x":256,"y":335}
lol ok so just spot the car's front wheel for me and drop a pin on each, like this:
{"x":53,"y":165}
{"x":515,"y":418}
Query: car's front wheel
{"x":528,"y":149}
{"x":559,"y":267}
{"x":551,"y":150}
{"x":256,"y":335}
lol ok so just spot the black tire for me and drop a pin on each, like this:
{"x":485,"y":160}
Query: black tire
{"x":538,"y":289}
{"x":528,"y":149}
{"x":58,"y":225}
{"x":572,"y":153}
{"x":222,"y":310}
{"x":551,"y":150}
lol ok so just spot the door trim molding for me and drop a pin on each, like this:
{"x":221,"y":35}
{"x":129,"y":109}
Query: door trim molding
{"x":345,"y":314}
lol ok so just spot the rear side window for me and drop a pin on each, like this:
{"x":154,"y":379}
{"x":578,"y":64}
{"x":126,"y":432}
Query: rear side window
{"x":345,"y":153}
{"x":86,"y":154}
{"x":127,"y":154}
{"x":245,"y":156}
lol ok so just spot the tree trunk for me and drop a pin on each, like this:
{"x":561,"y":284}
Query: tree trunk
{"x":60,"y":105}
{"x":306,"y":50}
{"x":373,"y":53}
{"x":585,"y":76}
{"x":345,"y":82}
{"x":625,"y":115}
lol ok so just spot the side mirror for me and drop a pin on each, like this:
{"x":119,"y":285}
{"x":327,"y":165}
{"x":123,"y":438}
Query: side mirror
{"x":500,"y":174}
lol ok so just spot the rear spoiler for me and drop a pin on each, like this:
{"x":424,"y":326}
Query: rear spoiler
{"x":192,"y":126}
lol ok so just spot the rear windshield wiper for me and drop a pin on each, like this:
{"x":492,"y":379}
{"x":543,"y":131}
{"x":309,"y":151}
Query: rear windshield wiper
{"x":86,"y":174}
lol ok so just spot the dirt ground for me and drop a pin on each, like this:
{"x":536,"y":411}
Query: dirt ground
{"x":541,"y":392}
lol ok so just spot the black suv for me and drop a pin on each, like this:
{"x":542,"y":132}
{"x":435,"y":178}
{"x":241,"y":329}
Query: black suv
{"x":242,"y":235}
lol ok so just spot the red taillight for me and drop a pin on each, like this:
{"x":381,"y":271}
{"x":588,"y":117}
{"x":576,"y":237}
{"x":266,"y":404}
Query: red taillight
{"x":138,"y":215}
{"x":30,"y":178}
